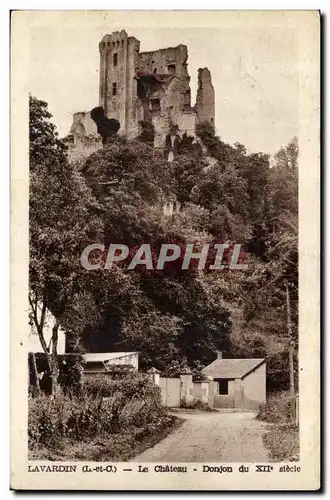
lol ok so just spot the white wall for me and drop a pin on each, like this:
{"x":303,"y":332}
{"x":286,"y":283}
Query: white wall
{"x":255,"y":387}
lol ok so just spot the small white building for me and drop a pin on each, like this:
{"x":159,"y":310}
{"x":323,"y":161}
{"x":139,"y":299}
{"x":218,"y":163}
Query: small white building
{"x":238,"y":383}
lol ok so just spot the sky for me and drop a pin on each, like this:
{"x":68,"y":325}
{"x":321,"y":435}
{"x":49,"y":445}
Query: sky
{"x":254,"y":73}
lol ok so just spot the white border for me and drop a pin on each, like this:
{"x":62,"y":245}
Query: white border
{"x":4,"y":198}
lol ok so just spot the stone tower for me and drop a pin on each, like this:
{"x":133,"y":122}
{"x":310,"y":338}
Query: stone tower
{"x":205,"y":100}
{"x":119,"y":56}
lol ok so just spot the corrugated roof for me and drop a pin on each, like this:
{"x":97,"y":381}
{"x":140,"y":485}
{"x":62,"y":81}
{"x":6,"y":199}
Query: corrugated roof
{"x":232,"y":368}
{"x":93,"y":357}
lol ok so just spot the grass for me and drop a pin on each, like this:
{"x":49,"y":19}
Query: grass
{"x":282,"y":438}
{"x":283,"y":442}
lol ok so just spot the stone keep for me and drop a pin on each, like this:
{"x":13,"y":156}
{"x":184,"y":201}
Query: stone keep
{"x":137,"y":87}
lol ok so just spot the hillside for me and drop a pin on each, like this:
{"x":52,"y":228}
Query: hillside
{"x":175,"y":318}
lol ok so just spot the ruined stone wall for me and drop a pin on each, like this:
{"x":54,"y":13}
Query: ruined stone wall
{"x":162,"y":127}
{"x":83,"y":124}
{"x":178,"y":93}
{"x":205,"y":100}
{"x":186,"y":121}
{"x":82,"y":147}
{"x":160,"y":61}
{"x":83,"y":139}
{"x":174,"y":94}
{"x":134,"y":111}
{"x":174,"y":111}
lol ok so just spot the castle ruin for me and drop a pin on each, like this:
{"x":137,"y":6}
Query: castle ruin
{"x":143,"y":87}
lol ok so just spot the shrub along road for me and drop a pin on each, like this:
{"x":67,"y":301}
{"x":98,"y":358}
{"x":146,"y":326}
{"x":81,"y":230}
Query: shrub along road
{"x":211,"y":437}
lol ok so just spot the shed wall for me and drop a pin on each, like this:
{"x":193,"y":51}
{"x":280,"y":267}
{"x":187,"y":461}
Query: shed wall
{"x":255,"y":388}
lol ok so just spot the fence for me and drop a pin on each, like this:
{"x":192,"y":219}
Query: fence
{"x":182,"y":391}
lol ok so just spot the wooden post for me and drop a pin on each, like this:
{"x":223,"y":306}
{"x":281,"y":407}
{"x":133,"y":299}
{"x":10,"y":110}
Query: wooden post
{"x":292,"y":391}
{"x":291,"y":352}
{"x":33,"y":367}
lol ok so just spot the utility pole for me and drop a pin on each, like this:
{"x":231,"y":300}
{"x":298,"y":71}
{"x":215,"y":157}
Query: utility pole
{"x":291,"y":351}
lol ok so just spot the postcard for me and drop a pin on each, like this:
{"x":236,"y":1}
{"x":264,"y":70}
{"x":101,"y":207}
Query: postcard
{"x":165,"y":250}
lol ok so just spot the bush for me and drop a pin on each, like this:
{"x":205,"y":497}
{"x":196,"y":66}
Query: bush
{"x":131,"y":384}
{"x":277,"y":409}
{"x":52,"y":419}
{"x":105,"y":407}
{"x":71,"y":372}
{"x":139,"y":397}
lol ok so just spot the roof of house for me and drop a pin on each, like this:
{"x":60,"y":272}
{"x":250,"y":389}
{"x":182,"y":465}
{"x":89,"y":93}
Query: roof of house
{"x":100,"y":357}
{"x":232,"y":368}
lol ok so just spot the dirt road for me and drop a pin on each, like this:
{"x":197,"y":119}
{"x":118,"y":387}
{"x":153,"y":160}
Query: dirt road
{"x":211,"y":437}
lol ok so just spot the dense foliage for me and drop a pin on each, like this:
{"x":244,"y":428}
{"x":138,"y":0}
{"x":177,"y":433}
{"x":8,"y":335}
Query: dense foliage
{"x":72,"y":427}
{"x":174,"y":318}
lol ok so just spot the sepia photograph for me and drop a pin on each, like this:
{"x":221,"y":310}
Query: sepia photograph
{"x":162,"y":278}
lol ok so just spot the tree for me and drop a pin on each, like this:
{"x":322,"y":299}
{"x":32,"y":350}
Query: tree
{"x":62,"y":222}
{"x":273,"y":270}
{"x":133,"y":181}
{"x":283,"y":185}
{"x":155,"y":336}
